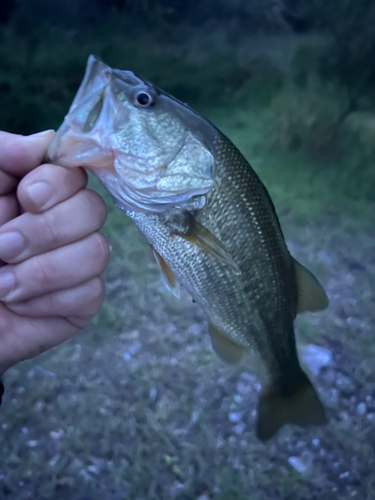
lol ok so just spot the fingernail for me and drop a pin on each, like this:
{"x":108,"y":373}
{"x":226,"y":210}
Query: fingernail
{"x":6,"y":284}
{"x":40,"y":192}
{"x":11,"y":245}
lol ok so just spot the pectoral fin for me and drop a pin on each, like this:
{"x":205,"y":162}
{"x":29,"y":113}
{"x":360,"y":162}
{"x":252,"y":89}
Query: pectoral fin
{"x":167,"y":273}
{"x":310,"y":293}
{"x":225,"y":348}
{"x":199,"y":236}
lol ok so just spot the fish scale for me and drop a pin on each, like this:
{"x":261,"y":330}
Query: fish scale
{"x":247,"y":305}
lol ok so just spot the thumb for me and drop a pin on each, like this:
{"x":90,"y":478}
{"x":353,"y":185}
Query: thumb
{"x":19,"y":154}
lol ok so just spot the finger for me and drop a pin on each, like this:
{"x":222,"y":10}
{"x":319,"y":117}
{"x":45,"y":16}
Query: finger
{"x":23,"y":337}
{"x":82,"y":301}
{"x":69,"y":221}
{"x":48,"y":185}
{"x":20,"y":154}
{"x":8,"y":208}
{"x":7,"y":183}
{"x":62,"y":268}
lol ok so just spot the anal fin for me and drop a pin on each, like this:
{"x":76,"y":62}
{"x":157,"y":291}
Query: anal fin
{"x":310,"y":293}
{"x":225,"y":348}
{"x":167,"y":273}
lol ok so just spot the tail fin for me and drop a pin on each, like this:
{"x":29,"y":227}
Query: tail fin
{"x":303,"y":408}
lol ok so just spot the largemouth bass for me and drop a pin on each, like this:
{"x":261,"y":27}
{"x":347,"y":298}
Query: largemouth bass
{"x":209,"y":220}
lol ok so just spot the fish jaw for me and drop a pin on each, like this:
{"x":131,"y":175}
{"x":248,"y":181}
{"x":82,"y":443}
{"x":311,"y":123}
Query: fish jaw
{"x":70,"y":148}
{"x":82,"y":139}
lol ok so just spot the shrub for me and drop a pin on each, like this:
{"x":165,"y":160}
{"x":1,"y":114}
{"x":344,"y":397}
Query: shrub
{"x":308,"y":118}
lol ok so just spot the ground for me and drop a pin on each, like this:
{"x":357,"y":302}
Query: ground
{"x":138,"y":407}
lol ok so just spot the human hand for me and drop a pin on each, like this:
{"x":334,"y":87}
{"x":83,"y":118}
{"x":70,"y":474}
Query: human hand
{"x":51,"y":255}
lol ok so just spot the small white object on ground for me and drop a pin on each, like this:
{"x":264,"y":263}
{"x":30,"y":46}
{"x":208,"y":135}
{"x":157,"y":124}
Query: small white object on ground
{"x":234,"y":416}
{"x":297,"y":464}
{"x":239,"y":428}
{"x":315,"y":357}
{"x":56,"y":435}
{"x":361,"y":409}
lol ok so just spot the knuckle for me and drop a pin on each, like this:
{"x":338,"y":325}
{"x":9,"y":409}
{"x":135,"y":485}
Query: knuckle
{"x":43,"y":271}
{"x":95,"y":295}
{"x":96,"y":206}
{"x":73,"y":179}
{"x":5,"y":324}
{"x":37,"y":173}
{"x":52,"y":227}
{"x":49,"y":302}
{"x":8,"y":208}
{"x":83,"y":175}
{"x":101,"y":250}
{"x":96,"y":289}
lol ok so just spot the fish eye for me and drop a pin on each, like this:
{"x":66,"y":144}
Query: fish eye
{"x":144,"y":99}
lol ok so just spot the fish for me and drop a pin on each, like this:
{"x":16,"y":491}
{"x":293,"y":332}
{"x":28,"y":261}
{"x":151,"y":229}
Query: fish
{"x":210,"y":222}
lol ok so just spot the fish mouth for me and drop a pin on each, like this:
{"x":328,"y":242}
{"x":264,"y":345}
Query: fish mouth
{"x":81,"y":140}
{"x":71,"y":149}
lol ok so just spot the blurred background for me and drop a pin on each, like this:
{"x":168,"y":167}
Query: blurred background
{"x":137,"y":406}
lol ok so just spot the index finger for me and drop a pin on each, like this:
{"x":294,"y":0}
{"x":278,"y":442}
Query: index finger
{"x":20,"y":154}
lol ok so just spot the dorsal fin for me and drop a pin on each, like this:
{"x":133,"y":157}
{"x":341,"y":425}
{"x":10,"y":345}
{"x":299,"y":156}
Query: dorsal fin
{"x":167,"y":273}
{"x":225,"y":348}
{"x":310,"y":293}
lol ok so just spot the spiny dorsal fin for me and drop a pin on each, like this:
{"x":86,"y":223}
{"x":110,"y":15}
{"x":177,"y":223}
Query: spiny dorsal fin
{"x":202,"y":238}
{"x":167,"y":273}
{"x":310,"y":293}
{"x":225,"y":348}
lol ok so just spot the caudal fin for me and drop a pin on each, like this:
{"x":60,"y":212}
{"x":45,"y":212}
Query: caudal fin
{"x":302,"y":408}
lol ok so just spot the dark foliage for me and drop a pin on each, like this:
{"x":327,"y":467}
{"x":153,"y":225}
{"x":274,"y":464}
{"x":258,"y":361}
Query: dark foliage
{"x":351,"y":56}
{"x":254,"y":15}
{"x":6,"y":9}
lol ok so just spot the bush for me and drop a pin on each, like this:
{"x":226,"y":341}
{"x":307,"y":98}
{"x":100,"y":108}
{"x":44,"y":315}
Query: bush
{"x":308,"y":119}
{"x":350,"y":26}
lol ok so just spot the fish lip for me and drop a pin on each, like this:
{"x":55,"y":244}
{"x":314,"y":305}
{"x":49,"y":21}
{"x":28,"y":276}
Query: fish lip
{"x":53,"y":146}
{"x":65,"y":134}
